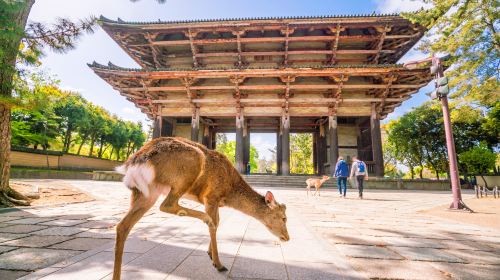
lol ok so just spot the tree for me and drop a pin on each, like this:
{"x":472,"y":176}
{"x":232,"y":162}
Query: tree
{"x":478,"y":160}
{"x":71,"y":111}
{"x":417,"y":138}
{"x":17,"y":34}
{"x":301,"y":154}
{"x":468,"y":31}
{"x":13,"y":19}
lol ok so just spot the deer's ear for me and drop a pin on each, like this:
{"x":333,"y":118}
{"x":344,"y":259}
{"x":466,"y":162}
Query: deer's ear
{"x":270,"y":201}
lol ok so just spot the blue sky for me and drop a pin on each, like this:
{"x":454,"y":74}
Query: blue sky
{"x":72,"y":71}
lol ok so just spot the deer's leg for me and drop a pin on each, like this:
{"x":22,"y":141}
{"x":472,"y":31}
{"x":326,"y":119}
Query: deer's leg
{"x":171,"y":205}
{"x":138,"y":207}
{"x":316,"y":190}
{"x":212,"y":209}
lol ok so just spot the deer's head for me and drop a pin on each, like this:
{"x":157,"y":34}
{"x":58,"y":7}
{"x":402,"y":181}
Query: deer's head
{"x":325,"y":178}
{"x":275,"y":218}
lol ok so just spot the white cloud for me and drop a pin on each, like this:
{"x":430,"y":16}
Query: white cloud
{"x":396,"y":6}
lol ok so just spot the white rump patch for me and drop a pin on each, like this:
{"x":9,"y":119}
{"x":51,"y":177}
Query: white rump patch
{"x":138,"y":176}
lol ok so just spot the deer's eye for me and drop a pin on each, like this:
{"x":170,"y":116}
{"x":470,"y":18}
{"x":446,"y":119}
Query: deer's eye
{"x":284,"y":219}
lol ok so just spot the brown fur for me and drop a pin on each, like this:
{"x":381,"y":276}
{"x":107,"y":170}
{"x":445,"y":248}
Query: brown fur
{"x":190,"y":169}
{"x":317,"y":183}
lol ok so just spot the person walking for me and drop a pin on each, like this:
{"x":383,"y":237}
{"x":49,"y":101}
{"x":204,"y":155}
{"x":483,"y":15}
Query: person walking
{"x":360,"y":172}
{"x":341,"y":172}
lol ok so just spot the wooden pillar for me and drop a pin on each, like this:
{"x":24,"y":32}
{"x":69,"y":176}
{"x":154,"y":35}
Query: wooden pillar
{"x":246,"y":148}
{"x":315,"y":152}
{"x":278,"y":152}
{"x":206,"y":139}
{"x":321,"y":151}
{"x":376,"y":142}
{"x":195,"y":125}
{"x":167,"y":126}
{"x":157,"y":127}
{"x":239,"y":154}
{"x":334,"y":142}
{"x":285,"y":145}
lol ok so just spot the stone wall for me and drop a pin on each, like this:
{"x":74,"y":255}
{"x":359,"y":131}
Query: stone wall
{"x":60,"y":161}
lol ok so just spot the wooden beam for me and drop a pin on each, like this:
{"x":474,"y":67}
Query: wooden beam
{"x":154,"y":49}
{"x":380,"y":44}
{"x":278,"y":87}
{"x":335,"y":43}
{"x":238,"y":34}
{"x":274,"y":101}
{"x":191,"y":36}
{"x":350,"y":38}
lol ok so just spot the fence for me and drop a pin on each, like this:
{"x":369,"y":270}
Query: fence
{"x":61,"y":161}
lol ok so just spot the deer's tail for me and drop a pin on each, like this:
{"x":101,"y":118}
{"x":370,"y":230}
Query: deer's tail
{"x":137,"y":176}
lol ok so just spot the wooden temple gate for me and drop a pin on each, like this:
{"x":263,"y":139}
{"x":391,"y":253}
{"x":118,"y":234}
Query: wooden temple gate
{"x":333,"y":77}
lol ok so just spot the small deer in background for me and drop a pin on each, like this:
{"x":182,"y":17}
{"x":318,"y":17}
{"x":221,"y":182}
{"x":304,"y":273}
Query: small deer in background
{"x":316,"y":183}
{"x":178,"y":168}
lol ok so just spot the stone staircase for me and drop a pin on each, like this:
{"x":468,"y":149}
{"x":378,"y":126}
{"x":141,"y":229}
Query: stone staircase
{"x":298,"y":181}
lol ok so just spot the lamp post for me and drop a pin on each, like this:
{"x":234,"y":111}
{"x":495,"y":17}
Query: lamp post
{"x":441,"y":93}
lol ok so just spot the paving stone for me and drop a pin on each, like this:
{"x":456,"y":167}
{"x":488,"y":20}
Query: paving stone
{"x":134,"y":245}
{"x":10,"y":236}
{"x":414,"y":242}
{"x":33,"y":258}
{"x":426,"y":254}
{"x":22,"y":228}
{"x":40,"y":273}
{"x":204,"y":269}
{"x":37,"y":241}
{"x":12,"y":274}
{"x":29,"y":221}
{"x":7,"y":218}
{"x":62,"y":231}
{"x":63,"y":222}
{"x":81,"y":244}
{"x":318,"y":271}
{"x":94,"y":267}
{"x":468,"y":271}
{"x":476,"y":257}
{"x":395,"y":269}
{"x":4,"y":249}
{"x":250,"y":268}
{"x":370,"y":252}
{"x":98,"y":233}
{"x":99,"y":224}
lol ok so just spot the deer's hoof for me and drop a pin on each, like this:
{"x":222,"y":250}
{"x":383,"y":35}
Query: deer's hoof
{"x":222,"y":269}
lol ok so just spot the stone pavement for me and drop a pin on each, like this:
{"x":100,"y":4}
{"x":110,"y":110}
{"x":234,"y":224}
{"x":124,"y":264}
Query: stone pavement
{"x":382,"y":236}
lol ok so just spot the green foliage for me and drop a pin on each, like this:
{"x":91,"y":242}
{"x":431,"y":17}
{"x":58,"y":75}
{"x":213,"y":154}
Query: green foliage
{"x":468,"y":31}
{"x":228,"y":148}
{"x":301,"y":153}
{"x":478,"y":160}
{"x":51,"y":118}
{"x":417,"y":138}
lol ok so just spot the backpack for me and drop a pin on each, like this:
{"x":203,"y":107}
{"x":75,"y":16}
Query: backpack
{"x":361,"y":167}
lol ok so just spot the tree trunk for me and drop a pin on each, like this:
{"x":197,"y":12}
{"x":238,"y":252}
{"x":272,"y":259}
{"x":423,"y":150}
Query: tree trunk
{"x":421,"y":172}
{"x":485,"y":184}
{"x":92,"y":141}
{"x":99,"y":153}
{"x":10,"y":48}
{"x":111,"y":154}
{"x":67,"y":139}
{"x":81,"y":144}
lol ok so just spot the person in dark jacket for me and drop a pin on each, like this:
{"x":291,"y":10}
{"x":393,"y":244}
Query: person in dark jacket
{"x":341,"y":172}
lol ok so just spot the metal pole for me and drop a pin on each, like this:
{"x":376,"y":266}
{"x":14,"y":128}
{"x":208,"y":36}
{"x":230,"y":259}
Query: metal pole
{"x":450,"y":145}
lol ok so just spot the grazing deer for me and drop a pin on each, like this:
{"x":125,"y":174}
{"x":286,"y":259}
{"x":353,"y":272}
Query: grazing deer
{"x":316,"y":183}
{"x":179,"y":168}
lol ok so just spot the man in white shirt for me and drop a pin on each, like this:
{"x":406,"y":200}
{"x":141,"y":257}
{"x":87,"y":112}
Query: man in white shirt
{"x":360,"y":173}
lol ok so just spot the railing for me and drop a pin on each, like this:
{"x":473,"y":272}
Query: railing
{"x":480,"y":190}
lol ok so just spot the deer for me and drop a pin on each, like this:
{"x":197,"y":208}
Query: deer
{"x":180,"y":168}
{"x":316,"y":183}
